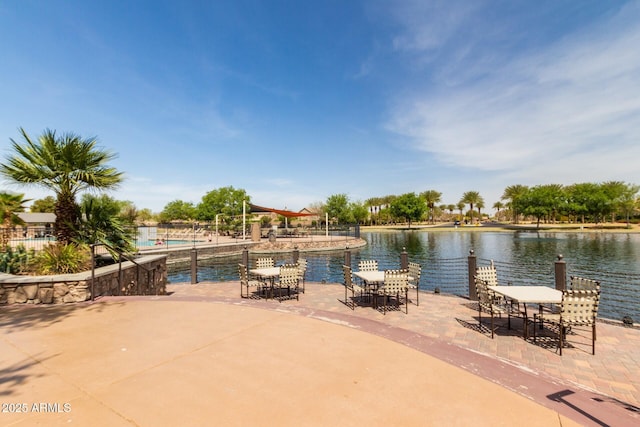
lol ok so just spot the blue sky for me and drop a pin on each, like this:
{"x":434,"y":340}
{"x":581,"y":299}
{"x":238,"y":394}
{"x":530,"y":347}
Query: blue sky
{"x":294,"y":101}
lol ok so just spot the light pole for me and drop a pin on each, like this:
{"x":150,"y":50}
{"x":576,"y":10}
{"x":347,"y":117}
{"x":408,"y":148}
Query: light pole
{"x":286,"y":223}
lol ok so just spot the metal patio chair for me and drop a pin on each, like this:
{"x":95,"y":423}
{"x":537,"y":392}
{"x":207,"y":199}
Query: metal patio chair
{"x":578,"y":308}
{"x":246,"y":283}
{"x":415,"y":270}
{"x":349,"y":286}
{"x":396,"y":283}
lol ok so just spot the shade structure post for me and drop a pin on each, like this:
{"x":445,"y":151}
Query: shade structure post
{"x":347,"y":256}
{"x":326,"y":224}
{"x":296,"y":254}
{"x":244,"y":220}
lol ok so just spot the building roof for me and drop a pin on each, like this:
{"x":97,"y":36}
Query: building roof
{"x":37,"y":217}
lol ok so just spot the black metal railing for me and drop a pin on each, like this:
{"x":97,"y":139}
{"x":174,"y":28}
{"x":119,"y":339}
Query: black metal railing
{"x":447,"y":276}
{"x":121,"y":257}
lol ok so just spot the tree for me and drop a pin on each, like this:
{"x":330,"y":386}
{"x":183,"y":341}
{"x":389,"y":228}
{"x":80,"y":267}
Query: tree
{"x":46,"y":205}
{"x":588,"y":200}
{"x":497,"y":206}
{"x":337,"y":207}
{"x":103,"y":223}
{"x":460,"y":207}
{"x":128,"y":213}
{"x":621,"y":195}
{"x":408,"y":206}
{"x":542,"y":201}
{"x":628,"y":201}
{"x":513,"y":193}
{"x":431,"y":197}
{"x":359,"y":212}
{"x":66,"y":165}
{"x":145,"y":215}
{"x":471,"y":198}
{"x":224,"y":201}
{"x":480,"y":206}
{"x":10,"y":204}
{"x":177,"y":210}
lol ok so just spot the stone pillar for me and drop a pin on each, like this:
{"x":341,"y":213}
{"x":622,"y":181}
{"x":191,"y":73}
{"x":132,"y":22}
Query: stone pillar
{"x":473,"y":263}
{"x":404,"y":259}
{"x":194,"y":266}
{"x":561,"y":273}
{"x":255,"y":232}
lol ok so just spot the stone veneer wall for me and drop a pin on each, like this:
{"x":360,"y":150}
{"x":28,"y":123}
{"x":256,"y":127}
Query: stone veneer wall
{"x":77,"y":287}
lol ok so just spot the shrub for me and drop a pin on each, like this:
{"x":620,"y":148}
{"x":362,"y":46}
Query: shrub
{"x":14,"y":261}
{"x":63,"y":259}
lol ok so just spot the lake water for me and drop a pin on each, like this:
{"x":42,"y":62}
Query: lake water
{"x":520,"y":257}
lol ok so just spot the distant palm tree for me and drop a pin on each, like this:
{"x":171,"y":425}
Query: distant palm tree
{"x":480,"y":206}
{"x":497,"y":206}
{"x":10,"y":204}
{"x":65,"y":165}
{"x":431,"y":197}
{"x":513,"y":193}
{"x":460,"y":207}
{"x":471,"y":198}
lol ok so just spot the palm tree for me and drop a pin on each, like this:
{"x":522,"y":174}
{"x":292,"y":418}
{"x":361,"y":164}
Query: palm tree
{"x":431,"y":197}
{"x":497,"y":206}
{"x":460,"y":207}
{"x":10,"y":204}
{"x":480,"y":206}
{"x":471,"y":198}
{"x":513,"y":193}
{"x":103,"y":223}
{"x":66,"y":165}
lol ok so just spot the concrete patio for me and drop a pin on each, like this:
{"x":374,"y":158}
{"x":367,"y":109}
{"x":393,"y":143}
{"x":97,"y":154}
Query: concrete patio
{"x":204,"y":356}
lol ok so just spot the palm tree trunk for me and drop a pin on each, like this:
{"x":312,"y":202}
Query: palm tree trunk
{"x":67,"y":218}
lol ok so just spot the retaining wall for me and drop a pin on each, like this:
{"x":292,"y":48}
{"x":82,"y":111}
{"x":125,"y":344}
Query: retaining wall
{"x":125,"y":279}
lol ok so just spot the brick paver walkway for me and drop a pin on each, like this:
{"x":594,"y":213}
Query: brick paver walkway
{"x":611,"y":374}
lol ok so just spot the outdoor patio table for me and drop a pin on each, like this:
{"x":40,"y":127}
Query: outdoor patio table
{"x":269,"y":273}
{"x":372,"y":279}
{"x":529,"y":295}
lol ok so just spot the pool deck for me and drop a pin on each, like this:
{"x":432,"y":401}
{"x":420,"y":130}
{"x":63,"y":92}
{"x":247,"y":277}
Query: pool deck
{"x":204,"y":356}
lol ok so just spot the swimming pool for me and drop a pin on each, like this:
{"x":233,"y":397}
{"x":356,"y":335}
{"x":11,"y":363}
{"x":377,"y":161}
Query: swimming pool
{"x":164,"y":243}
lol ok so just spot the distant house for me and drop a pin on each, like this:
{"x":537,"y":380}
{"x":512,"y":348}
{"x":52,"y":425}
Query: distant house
{"x":37,"y":224}
{"x":34,"y":219}
{"x":307,"y":218}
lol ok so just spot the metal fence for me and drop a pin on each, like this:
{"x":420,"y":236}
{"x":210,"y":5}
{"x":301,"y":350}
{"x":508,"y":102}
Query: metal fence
{"x":180,"y":235}
{"x":619,"y":292}
{"x":619,"y":296}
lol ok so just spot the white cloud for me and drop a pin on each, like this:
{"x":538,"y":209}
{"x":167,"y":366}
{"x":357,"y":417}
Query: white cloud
{"x":429,"y":25}
{"x":568,"y":113}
